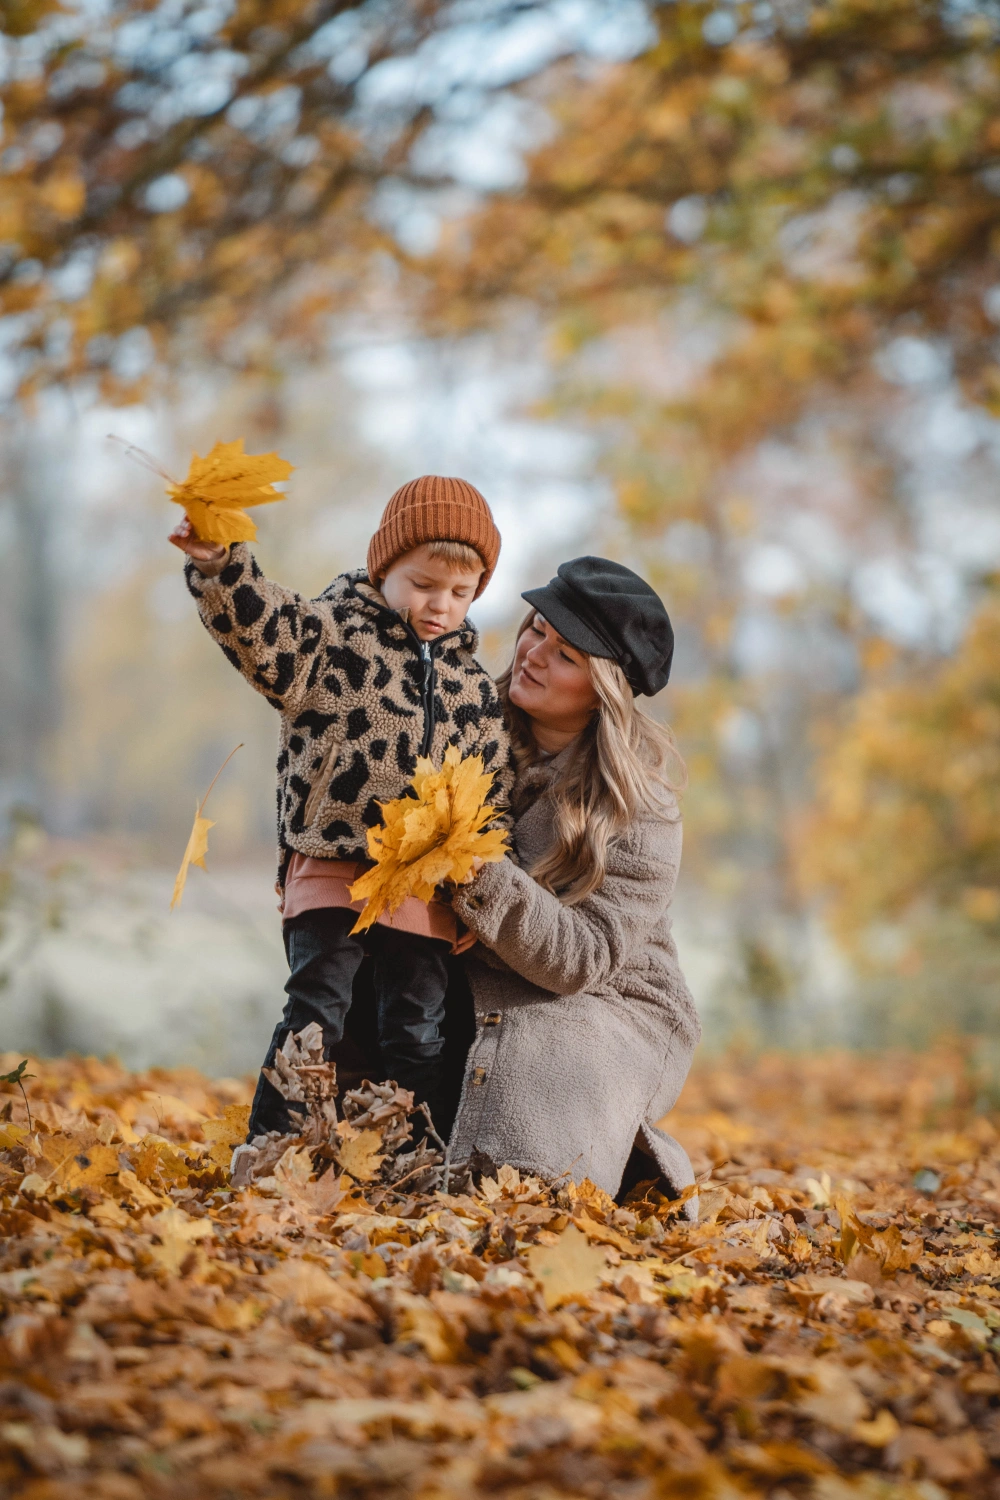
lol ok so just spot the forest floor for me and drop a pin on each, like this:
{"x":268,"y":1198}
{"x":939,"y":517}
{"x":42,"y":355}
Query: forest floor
{"x":829,"y":1327}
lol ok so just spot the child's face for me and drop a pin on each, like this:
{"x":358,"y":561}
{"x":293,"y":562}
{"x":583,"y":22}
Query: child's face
{"x":437,"y":593}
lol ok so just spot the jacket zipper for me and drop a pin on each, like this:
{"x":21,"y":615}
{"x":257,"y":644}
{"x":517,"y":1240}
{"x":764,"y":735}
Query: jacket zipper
{"x":427,"y":696}
{"x":427,"y":652}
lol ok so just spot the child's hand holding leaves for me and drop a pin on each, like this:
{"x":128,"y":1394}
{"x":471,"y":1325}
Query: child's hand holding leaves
{"x":209,"y":557}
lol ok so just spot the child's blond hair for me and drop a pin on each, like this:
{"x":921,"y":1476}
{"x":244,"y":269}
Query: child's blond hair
{"x":458,"y":554}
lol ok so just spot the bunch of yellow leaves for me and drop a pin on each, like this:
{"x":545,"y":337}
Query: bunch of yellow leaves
{"x":219,"y":486}
{"x":438,"y":836}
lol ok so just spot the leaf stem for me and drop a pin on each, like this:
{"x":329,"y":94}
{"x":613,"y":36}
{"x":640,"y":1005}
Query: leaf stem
{"x":201,"y":807}
{"x":140,"y":456}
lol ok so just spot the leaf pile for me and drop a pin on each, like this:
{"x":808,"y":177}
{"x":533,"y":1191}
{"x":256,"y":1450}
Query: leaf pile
{"x":219,"y":486}
{"x":434,"y":836}
{"x":829,"y":1328}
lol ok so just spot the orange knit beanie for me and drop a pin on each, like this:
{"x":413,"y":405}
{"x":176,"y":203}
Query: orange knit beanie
{"x":434,"y":509}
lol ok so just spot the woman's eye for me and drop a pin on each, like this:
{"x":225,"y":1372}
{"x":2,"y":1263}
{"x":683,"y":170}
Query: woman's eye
{"x":567,"y":658}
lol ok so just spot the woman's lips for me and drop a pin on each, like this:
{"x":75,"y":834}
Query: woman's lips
{"x":529,"y":677}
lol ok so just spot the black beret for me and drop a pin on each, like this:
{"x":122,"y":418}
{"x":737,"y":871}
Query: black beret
{"x":607,"y":610}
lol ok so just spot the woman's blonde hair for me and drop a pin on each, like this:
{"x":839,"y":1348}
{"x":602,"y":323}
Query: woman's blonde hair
{"x":621,"y":769}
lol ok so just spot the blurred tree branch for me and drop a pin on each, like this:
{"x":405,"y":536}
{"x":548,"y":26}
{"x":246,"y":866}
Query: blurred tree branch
{"x":157,"y":161}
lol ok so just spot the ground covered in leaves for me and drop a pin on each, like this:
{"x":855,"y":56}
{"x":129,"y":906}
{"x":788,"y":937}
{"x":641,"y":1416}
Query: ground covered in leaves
{"x":829,"y":1327}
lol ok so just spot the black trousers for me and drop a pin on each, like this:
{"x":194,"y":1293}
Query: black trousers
{"x":411,"y":978}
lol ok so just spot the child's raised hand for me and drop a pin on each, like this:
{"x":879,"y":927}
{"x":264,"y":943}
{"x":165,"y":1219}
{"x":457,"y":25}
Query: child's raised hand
{"x":208,"y":557}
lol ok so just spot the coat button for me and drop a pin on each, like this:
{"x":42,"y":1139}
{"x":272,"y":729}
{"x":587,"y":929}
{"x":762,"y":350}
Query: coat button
{"x":479,"y":1075}
{"x":493,"y":1019}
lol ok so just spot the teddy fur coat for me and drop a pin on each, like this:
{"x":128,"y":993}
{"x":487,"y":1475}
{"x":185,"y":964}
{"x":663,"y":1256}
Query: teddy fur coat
{"x":360,"y":697}
{"x":584,"y":1025}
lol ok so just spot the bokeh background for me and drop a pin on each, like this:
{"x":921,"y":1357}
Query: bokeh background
{"x":710,"y":288}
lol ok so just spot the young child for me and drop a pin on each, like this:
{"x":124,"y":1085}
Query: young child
{"x":374,"y":672}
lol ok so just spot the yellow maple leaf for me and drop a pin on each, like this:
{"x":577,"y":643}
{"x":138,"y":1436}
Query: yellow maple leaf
{"x":227,"y":1132}
{"x":90,"y":1167}
{"x":220,"y":486}
{"x":177,"y":1233}
{"x":434,"y":837}
{"x":567,"y":1270}
{"x":360,"y":1153}
{"x":194,"y":854}
{"x":197,"y":844}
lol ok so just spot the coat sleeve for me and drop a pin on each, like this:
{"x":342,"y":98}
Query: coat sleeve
{"x":269,"y":633}
{"x":567,"y":949}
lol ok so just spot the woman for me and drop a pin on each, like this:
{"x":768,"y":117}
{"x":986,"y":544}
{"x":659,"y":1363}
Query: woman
{"x":584,"y":1025}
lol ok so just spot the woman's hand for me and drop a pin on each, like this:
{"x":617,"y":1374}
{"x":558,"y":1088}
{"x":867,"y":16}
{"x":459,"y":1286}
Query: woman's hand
{"x":208,"y":557}
{"x":464,"y":941}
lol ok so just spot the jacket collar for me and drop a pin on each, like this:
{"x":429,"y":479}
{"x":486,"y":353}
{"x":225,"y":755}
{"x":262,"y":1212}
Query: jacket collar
{"x":355,"y":588}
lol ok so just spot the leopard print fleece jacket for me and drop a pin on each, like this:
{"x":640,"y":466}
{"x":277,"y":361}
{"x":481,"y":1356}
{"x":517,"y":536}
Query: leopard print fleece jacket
{"x":360,"y":697}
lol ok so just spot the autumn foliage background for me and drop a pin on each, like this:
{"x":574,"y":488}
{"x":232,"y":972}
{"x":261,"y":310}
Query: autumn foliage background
{"x":713,"y":290}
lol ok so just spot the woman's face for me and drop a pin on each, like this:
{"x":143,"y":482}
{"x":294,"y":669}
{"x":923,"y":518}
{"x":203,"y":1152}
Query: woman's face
{"x":550,"y":680}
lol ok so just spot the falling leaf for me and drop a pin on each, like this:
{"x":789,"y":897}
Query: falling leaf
{"x":197,"y":844}
{"x":436,"y":836}
{"x":219,"y":486}
{"x":568,"y":1270}
{"x":194,"y":854}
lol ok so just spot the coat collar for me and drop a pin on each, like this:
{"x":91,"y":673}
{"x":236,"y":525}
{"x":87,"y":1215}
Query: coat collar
{"x":535,"y":780}
{"x":354,"y":588}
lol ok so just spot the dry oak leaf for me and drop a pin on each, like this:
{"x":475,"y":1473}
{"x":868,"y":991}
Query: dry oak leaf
{"x":570,"y":1269}
{"x":219,"y":486}
{"x":434,"y":837}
